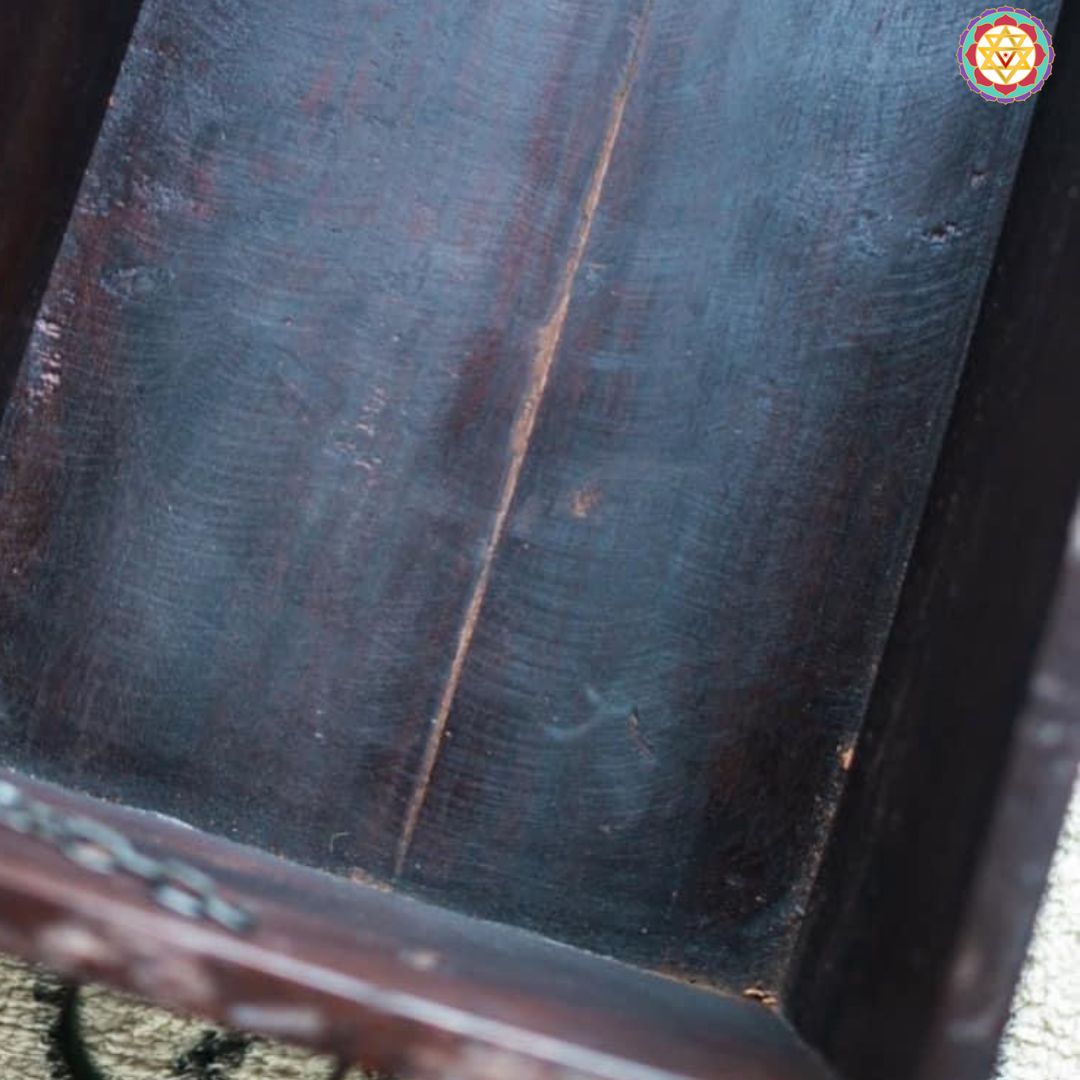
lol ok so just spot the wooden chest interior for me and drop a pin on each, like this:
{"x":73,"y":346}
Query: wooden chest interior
{"x":564,"y":499}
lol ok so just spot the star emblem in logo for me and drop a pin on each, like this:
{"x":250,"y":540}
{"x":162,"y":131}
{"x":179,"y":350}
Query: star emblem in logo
{"x":1006,"y":51}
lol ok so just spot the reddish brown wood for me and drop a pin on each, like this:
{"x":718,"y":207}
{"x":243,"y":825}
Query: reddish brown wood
{"x":375,"y":978}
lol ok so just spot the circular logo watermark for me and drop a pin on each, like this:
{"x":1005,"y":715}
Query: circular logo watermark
{"x":1005,"y":55}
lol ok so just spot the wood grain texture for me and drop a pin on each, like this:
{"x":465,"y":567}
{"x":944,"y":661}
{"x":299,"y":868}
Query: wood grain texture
{"x":371,"y":977}
{"x":479,"y":445}
{"x":920,"y":917}
{"x":702,"y":561}
{"x":260,"y":439}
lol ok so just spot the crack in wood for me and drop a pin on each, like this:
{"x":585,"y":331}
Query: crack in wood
{"x":543,"y":361}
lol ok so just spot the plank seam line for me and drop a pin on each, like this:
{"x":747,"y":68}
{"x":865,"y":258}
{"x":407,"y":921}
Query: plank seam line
{"x":547,"y":346}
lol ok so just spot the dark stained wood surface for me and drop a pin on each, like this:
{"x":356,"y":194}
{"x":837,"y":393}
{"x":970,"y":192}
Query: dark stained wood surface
{"x":290,"y":326}
{"x":702,"y":560}
{"x":58,"y":60}
{"x":372,"y":977}
{"x":921,"y":916}
{"x":991,"y":946}
{"x":478,"y":445}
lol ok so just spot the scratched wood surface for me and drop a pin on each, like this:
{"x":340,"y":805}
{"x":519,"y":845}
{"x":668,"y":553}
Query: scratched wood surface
{"x":477,"y":446}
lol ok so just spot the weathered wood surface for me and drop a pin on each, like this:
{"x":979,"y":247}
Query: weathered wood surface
{"x":371,"y":977}
{"x":477,"y":446}
{"x":921,"y":915}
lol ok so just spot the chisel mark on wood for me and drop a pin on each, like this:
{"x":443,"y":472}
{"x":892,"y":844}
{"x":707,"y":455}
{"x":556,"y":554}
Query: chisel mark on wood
{"x":547,"y":346}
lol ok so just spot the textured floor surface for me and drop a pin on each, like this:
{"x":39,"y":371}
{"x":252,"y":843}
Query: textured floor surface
{"x":48,"y":1033}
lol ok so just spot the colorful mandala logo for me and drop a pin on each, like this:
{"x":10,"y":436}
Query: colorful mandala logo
{"x":1005,"y":55}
